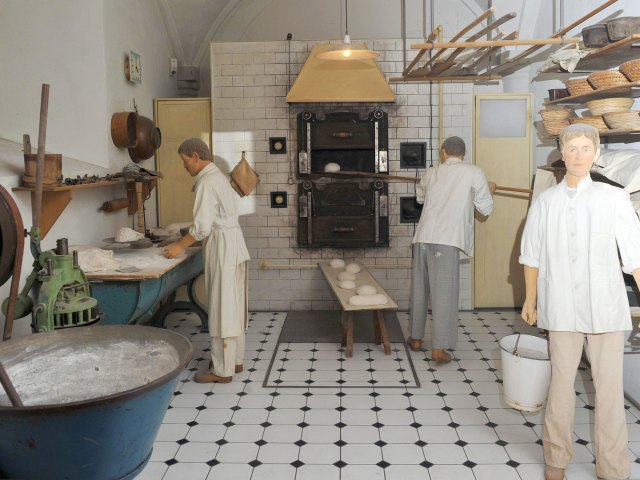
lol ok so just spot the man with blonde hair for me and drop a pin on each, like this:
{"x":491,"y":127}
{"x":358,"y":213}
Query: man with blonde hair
{"x":575,"y":290}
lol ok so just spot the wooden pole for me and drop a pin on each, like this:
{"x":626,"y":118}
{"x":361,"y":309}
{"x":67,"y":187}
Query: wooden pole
{"x":140,"y":208}
{"x":42,"y":136}
{"x":496,"y":43}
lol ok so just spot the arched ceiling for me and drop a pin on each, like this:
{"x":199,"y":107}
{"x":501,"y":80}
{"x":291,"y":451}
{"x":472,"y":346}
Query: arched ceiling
{"x":193,"y":24}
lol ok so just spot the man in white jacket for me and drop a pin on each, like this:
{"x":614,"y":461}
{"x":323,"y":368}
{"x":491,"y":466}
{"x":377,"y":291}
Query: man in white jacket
{"x":215,"y":223}
{"x":575,"y":290}
{"x":450,"y":192}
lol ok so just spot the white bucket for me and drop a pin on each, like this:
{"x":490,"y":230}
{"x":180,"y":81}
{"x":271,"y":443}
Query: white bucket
{"x":527,"y":373}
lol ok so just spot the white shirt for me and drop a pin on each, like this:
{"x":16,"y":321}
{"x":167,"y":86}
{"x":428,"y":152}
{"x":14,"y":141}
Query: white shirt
{"x":573,"y":239}
{"x":450,"y":191}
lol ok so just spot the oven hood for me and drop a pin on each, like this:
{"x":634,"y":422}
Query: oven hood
{"x":335,"y":81}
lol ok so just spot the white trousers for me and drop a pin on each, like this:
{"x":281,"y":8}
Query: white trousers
{"x":610,"y":430}
{"x":226,"y":353}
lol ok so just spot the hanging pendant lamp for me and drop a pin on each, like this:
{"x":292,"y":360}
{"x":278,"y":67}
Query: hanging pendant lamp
{"x":347,"y":50}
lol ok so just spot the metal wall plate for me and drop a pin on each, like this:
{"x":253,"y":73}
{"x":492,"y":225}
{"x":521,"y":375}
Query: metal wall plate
{"x":413,"y":155}
{"x":277,"y":145}
{"x":278,"y":199}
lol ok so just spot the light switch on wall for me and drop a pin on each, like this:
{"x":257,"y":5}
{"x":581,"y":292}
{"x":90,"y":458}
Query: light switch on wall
{"x":173,"y":68}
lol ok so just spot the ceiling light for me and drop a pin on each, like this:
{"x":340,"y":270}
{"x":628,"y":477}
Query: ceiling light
{"x":346,"y":50}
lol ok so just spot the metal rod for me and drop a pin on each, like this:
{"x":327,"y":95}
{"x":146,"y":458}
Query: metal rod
{"x":42,"y":136}
{"x":9,"y":388}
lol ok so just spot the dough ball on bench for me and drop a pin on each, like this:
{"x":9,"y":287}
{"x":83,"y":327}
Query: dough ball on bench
{"x":353,"y":268}
{"x":347,"y":284}
{"x":337,"y":263}
{"x":367,"y":290}
{"x":377,"y":299}
{"x":346,"y":276}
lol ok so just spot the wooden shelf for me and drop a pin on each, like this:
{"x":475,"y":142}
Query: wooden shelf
{"x":632,"y":90}
{"x":607,"y":133}
{"x":606,"y":57}
{"x":56,"y":198}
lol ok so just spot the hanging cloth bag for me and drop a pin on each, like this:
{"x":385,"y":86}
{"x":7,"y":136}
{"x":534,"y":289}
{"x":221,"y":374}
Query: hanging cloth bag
{"x":244,"y":179}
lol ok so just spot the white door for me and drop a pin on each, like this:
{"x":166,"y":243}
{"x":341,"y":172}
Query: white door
{"x":502,"y":148}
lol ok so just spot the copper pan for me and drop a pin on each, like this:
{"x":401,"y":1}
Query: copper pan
{"x":148,"y":140}
{"x":123,"y":129}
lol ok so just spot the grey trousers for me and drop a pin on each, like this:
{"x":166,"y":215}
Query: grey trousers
{"x":435,"y":277}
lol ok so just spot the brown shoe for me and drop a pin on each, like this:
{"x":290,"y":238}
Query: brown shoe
{"x":208,"y":377}
{"x":414,"y":345}
{"x":553,"y":473}
{"x":239,"y":368}
{"x":438,"y":355}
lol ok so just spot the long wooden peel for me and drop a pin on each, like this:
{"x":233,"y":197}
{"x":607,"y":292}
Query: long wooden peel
{"x":525,"y":53}
{"x":432,"y":36}
{"x":42,"y":135}
{"x":481,"y":18}
{"x":477,"y":56}
{"x":446,"y":64}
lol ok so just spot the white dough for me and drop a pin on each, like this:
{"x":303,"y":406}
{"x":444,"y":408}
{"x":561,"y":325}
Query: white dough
{"x":337,"y":263}
{"x":332,"y":167}
{"x":353,"y":268}
{"x":93,"y":259}
{"x":377,"y":299}
{"x":346,"y":276}
{"x":126,"y":234}
{"x":367,"y":290}
{"x":347,"y":284}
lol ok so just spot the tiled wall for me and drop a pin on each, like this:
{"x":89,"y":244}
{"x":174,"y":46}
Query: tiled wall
{"x":249,"y":85}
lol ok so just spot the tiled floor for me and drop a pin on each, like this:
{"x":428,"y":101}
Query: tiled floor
{"x":454,"y":426}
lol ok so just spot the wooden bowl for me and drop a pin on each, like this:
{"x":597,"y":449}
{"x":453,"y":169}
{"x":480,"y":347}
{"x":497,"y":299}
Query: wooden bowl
{"x":623,"y":120}
{"x":123,"y":129}
{"x":609,"y":105}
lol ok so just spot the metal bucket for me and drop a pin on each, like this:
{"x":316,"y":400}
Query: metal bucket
{"x":94,"y":400}
{"x":526,"y":371}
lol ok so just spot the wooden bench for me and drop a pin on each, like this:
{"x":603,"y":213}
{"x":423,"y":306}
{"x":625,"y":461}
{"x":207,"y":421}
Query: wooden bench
{"x":379,"y":325}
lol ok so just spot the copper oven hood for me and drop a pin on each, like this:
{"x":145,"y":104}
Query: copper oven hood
{"x":331,"y":81}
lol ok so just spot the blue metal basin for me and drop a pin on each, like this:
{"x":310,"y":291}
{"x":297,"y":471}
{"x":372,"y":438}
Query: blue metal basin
{"x":94,"y":400}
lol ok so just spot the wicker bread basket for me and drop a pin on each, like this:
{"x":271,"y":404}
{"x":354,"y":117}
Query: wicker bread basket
{"x":631,"y":70}
{"x":607,"y":79}
{"x":609,"y":105}
{"x":556,"y":113}
{"x":597,"y":122}
{"x":578,"y":86}
{"x":623,"y":120}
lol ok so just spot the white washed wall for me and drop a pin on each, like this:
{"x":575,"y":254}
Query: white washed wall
{"x":249,"y":85}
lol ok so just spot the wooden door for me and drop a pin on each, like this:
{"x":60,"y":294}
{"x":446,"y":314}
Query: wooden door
{"x":502,"y":148}
{"x":178,"y":119}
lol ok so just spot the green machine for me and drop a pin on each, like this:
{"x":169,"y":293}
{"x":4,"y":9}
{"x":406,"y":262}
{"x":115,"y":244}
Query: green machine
{"x":61,"y":290}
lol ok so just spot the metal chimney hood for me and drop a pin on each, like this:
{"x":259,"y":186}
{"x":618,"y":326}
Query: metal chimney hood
{"x":331,"y":81}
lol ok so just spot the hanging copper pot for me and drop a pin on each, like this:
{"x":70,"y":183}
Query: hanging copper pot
{"x":123,"y":129}
{"x":148,"y":140}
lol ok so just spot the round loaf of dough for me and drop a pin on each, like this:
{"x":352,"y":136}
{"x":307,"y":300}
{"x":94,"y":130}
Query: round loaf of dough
{"x":347,"y":284}
{"x":332,"y":167}
{"x":337,"y":263}
{"x":126,"y":234}
{"x":358,"y":300}
{"x":353,"y":268}
{"x":367,"y":290}
{"x":346,"y":276}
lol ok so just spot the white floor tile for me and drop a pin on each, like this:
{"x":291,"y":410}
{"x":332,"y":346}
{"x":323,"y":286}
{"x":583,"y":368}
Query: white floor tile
{"x":192,"y":471}
{"x":321,"y":454}
{"x":449,"y":472}
{"x":495,"y":472}
{"x":362,"y":454}
{"x":278,"y":453}
{"x":360,"y":472}
{"x":316,"y":472}
{"x":193,"y":452}
{"x":406,"y":454}
{"x":444,"y":454}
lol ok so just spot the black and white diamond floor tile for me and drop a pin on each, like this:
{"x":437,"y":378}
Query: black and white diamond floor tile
{"x":456,"y":425}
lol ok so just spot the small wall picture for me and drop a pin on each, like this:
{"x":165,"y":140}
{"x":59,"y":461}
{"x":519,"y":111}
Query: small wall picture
{"x":277,"y":145}
{"x":278,"y":199}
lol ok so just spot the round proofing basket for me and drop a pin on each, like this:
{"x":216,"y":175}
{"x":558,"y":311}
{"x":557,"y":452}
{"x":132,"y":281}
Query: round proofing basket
{"x":554,"y":127}
{"x":607,"y":79}
{"x":596,"y":122}
{"x":623,"y":120}
{"x":556,"y":114}
{"x":609,"y":105}
{"x":578,"y":86}
{"x":631,"y":70}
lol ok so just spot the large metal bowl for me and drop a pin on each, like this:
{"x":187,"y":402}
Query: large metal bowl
{"x":94,"y":400}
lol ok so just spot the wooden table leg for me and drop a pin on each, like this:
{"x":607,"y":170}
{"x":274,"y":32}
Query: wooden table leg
{"x":383,"y":332}
{"x":349,"y":339}
{"x":343,"y":322}
{"x":377,"y":335}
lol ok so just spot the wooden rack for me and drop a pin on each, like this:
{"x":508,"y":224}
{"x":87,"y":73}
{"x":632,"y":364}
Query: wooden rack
{"x":469,"y":60}
{"x":630,"y":90}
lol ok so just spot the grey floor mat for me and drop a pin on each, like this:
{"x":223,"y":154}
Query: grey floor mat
{"x":324,"y":326}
